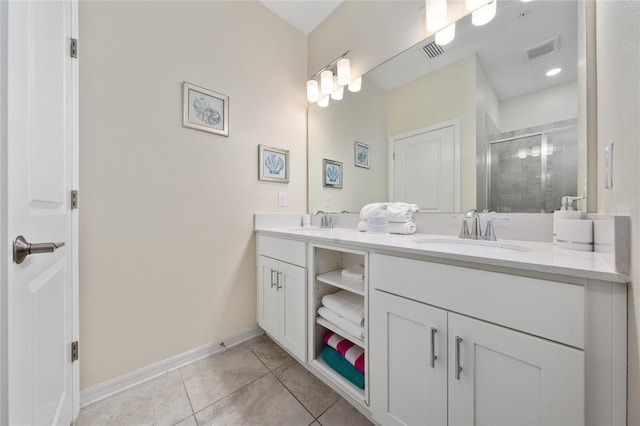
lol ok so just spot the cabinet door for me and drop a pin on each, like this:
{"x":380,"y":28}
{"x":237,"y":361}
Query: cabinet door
{"x":268,"y":295}
{"x":407,"y":388}
{"x":511,"y":378}
{"x":291,"y":285}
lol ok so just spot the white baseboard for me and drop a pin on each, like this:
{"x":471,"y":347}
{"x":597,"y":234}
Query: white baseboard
{"x":118,"y":384}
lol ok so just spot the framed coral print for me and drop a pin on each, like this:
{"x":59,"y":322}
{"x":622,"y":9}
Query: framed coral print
{"x":332,"y":173}
{"x":205,"y":110}
{"x":273,"y":164}
{"x":361,"y":154}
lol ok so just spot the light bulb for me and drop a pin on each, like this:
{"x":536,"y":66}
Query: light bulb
{"x":436,"y":14}
{"x":326,"y":82}
{"x":323,"y":102}
{"x":553,"y":72}
{"x":522,"y":153}
{"x":535,"y":151}
{"x":344,"y":72}
{"x":355,"y":85}
{"x":484,"y":14}
{"x":312,"y":91}
{"x":446,"y":35}
{"x":337,"y":95}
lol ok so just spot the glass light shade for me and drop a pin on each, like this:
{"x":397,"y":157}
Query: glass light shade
{"x":344,"y":72}
{"x":522,"y":153}
{"x":436,"y":14}
{"x":446,"y":35}
{"x":553,"y":72}
{"x":549,"y":149}
{"x":323,"y":102}
{"x":312,"y":91}
{"x":326,"y":82}
{"x":474,"y":4}
{"x":355,"y":85}
{"x":484,"y":14}
{"x":337,"y":95}
{"x":535,"y":151}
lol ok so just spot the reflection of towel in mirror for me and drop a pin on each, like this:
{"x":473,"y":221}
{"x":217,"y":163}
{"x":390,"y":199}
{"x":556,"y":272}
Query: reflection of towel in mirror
{"x":350,"y":328}
{"x":349,"y":306}
{"x":395,"y":212}
{"x":394,"y":227}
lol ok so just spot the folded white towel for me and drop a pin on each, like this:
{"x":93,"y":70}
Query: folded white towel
{"x":394,"y":227}
{"x":395,"y":212}
{"x":353,"y":273}
{"x":342,"y":323}
{"x":347,"y":305}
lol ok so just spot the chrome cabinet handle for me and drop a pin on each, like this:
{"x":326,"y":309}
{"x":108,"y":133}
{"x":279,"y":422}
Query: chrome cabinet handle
{"x":458,"y":367}
{"x":22,"y":248}
{"x":273,"y":280}
{"x":433,"y":347}
{"x":278,"y":280}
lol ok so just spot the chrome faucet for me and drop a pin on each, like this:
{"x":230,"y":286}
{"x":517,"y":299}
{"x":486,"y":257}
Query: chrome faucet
{"x":476,"y":232}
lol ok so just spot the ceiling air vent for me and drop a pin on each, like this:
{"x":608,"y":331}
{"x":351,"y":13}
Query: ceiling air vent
{"x":432,"y":49}
{"x":543,"y":49}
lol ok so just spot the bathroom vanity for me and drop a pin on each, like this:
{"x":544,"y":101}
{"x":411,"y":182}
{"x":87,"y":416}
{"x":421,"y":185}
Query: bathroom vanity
{"x":515,"y":332}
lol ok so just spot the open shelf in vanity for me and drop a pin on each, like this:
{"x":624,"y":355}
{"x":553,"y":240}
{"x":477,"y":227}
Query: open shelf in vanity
{"x":325,"y":278}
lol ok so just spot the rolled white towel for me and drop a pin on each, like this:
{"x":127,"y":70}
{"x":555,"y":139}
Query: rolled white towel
{"x":349,"y":306}
{"x":404,"y":228}
{"x":340,"y":322}
{"x":394,"y":212}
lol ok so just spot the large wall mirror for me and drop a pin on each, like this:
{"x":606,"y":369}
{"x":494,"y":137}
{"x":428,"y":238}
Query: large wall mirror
{"x":475,"y":123}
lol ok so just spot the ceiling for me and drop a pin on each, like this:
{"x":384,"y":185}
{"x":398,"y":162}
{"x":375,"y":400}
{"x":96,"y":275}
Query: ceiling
{"x":305,"y":15}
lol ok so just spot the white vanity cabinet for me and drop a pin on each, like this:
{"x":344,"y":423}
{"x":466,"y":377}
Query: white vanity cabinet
{"x":282,"y":284}
{"x":438,"y":355}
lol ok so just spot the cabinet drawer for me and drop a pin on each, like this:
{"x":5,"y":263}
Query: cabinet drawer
{"x":285,"y":250}
{"x":549,"y":309}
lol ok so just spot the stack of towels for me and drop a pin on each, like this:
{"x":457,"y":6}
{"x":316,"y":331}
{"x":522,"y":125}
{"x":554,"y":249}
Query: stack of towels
{"x":399,"y":215}
{"x":345,"y":310}
{"x":344,"y":357}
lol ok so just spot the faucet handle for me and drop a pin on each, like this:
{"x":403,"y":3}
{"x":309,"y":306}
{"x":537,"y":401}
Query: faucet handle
{"x":464,"y":231}
{"x":489,"y":233}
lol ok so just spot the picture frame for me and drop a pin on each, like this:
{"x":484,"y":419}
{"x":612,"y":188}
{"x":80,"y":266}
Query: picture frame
{"x":273,"y":164}
{"x":332,"y":173}
{"x":205,"y":110}
{"x":361,"y":154}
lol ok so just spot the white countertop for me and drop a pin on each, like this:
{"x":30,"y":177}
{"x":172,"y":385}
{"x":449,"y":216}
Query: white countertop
{"x":538,"y":257}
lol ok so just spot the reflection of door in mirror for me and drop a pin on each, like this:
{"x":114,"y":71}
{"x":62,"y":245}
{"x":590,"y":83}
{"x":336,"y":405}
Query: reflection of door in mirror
{"x":426,"y":169}
{"x":531,"y":172}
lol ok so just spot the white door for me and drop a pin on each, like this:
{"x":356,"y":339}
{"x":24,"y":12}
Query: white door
{"x":408,"y":357}
{"x":292,"y":284}
{"x":509,"y":378}
{"x":425,"y":170}
{"x":40,"y":108}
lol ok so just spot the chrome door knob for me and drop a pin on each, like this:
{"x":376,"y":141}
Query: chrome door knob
{"x":22,"y":248}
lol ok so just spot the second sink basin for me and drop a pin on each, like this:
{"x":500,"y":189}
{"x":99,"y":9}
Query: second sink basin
{"x":463,"y":242}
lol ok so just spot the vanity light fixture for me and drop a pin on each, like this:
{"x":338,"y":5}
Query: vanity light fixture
{"x":553,"y":71}
{"x":436,"y":14}
{"x":522,"y":153}
{"x":330,"y":81}
{"x":323,"y":102}
{"x":484,"y":14}
{"x":446,"y":35}
{"x":355,"y":85}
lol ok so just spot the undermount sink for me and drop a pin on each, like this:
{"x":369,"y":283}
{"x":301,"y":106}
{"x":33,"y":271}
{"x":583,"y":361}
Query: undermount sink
{"x":464,"y":242}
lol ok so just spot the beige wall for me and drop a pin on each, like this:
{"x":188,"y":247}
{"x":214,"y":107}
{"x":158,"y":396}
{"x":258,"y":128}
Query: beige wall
{"x":362,"y":117}
{"x":442,"y":95}
{"x":167,"y":252}
{"x":618,"y":50}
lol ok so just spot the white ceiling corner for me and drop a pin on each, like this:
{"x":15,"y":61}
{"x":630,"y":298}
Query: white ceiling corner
{"x":305,"y":15}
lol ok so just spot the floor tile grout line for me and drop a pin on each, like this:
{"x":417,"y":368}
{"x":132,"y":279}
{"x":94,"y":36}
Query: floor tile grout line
{"x":328,"y":408}
{"x":184,"y":385}
{"x":289,"y":390}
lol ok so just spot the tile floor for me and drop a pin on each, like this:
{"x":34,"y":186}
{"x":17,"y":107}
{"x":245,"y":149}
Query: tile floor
{"x":254,"y":383}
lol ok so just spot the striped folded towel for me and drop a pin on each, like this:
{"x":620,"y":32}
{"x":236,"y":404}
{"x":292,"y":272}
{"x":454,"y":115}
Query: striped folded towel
{"x":349,"y":350}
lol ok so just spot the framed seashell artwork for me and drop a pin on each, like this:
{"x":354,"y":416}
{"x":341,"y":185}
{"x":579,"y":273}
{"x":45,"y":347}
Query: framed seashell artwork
{"x":332,"y":173}
{"x":273,"y":164}
{"x":205,"y":110}
{"x":361,"y":154}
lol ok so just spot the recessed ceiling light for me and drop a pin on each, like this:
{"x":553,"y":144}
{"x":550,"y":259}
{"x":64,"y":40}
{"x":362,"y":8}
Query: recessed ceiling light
{"x":553,"y":71}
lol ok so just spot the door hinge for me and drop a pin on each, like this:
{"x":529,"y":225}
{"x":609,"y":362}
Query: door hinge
{"x":74,"y":48}
{"x":74,"y":351}
{"x":74,"y":199}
